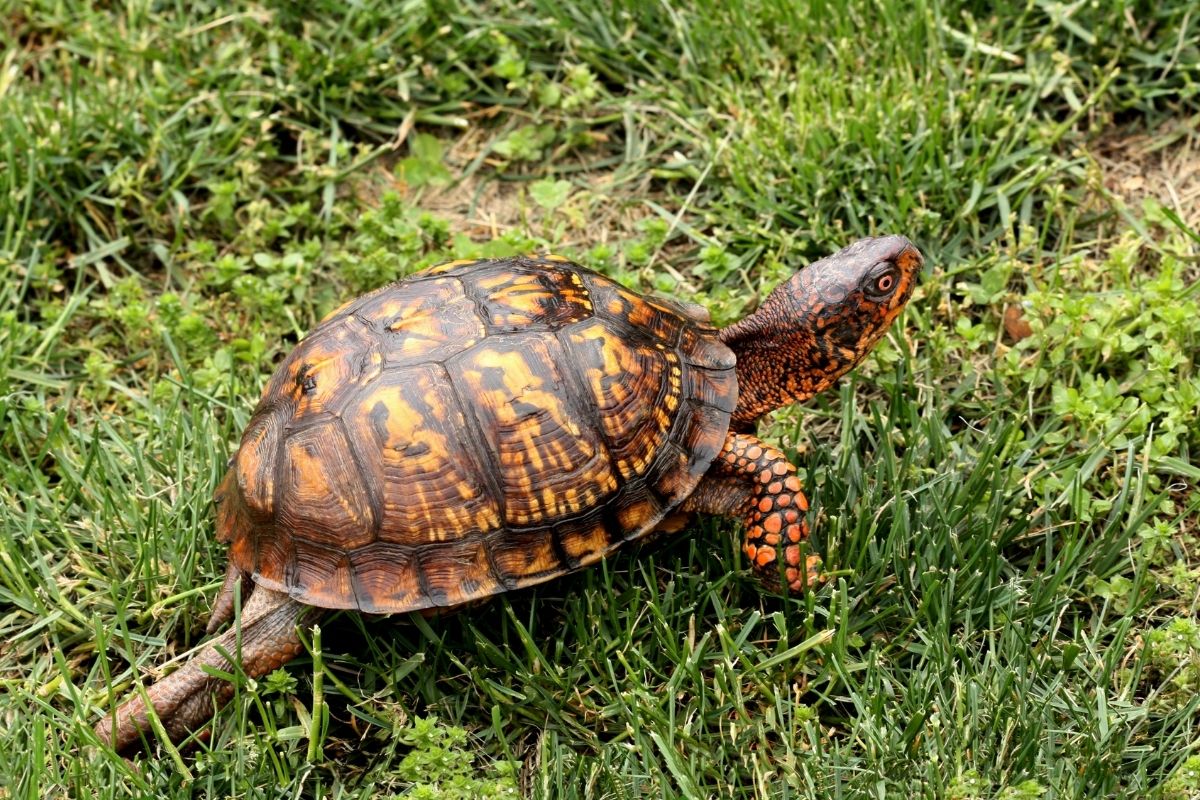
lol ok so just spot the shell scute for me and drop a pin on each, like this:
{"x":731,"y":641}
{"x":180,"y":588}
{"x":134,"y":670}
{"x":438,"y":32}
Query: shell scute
{"x":412,"y":437}
{"x":706,"y":352}
{"x":710,"y":387}
{"x":386,"y":577}
{"x":635,"y":388}
{"x":317,"y":373}
{"x":430,"y":321}
{"x":323,"y":496}
{"x":547,"y":297}
{"x":549,"y":460}
{"x":523,"y":558}
{"x":585,"y":539}
{"x":255,"y":463}
{"x":457,"y":572}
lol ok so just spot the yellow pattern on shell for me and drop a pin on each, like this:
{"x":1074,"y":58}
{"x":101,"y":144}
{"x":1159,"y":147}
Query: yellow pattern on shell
{"x":519,"y":398}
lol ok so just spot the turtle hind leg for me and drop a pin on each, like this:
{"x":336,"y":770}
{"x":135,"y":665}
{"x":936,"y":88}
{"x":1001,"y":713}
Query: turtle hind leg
{"x":756,"y":483}
{"x":184,"y":700}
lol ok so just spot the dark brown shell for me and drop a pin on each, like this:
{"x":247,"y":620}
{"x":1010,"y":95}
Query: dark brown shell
{"x":476,"y":428}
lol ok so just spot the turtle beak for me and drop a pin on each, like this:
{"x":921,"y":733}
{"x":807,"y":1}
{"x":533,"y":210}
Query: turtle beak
{"x":906,"y":256}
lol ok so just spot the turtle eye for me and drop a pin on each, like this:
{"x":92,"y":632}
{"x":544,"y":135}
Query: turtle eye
{"x":881,"y":285}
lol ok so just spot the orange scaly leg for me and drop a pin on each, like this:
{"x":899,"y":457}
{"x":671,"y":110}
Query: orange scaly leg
{"x":756,"y":482}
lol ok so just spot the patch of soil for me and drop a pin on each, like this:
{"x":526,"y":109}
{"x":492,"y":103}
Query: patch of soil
{"x":1163,"y":165}
{"x":606,"y":205}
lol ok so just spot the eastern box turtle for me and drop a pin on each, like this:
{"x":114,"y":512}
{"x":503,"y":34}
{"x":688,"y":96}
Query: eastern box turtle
{"x":488,"y":425}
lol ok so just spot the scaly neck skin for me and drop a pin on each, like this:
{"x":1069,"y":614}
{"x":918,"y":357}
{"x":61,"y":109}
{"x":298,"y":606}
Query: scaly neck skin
{"x":777,"y":367}
{"x":812,"y":330}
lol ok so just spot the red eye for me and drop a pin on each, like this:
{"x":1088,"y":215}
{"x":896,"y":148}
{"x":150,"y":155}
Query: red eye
{"x":885,"y":283}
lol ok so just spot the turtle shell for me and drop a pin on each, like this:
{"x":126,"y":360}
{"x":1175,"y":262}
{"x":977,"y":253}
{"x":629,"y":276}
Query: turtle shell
{"x":479,"y":427}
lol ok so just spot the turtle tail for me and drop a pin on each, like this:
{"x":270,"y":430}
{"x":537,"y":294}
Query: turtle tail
{"x":185,"y":699}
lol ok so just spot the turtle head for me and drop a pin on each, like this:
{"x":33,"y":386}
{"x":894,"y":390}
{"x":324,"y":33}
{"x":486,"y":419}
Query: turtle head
{"x":815,"y":327}
{"x":848,"y":300}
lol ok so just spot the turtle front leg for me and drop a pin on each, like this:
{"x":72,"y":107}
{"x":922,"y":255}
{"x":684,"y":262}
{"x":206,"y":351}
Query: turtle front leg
{"x":756,"y":482}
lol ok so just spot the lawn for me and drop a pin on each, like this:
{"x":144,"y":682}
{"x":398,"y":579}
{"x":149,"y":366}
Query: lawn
{"x":1006,"y":493}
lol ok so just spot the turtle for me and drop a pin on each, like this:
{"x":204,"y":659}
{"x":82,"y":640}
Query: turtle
{"x":487,"y":425}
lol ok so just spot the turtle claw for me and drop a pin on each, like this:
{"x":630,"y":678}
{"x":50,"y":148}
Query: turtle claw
{"x":800,"y":581}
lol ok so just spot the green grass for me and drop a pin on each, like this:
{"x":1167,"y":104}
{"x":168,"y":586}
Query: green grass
{"x":1012,"y":526}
